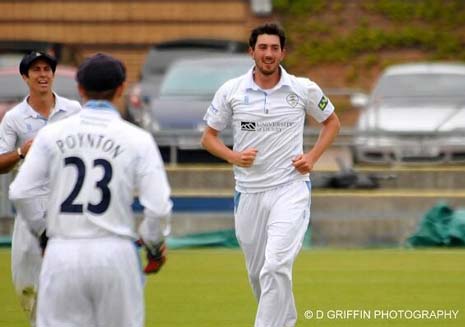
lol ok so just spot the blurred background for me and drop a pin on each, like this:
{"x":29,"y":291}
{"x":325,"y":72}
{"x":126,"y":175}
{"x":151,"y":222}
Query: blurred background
{"x":394,"y":70}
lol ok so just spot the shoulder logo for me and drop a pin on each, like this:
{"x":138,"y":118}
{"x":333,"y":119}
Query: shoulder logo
{"x":292,"y":99}
{"x":323,"y":103}
{"x":213,"y":109}
{"x":248,"y":126}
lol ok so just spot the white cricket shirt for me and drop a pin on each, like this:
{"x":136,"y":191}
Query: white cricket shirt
{"x":272,"y":121}
{"x":22,"y":123}
{"x":95,"y":162}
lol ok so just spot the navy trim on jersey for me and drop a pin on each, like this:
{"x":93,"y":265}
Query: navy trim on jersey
{"x":237,"y":198}
{"x":309,"y":185}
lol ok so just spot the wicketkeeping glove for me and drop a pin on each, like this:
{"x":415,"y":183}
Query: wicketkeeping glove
{"x":156,"y":256}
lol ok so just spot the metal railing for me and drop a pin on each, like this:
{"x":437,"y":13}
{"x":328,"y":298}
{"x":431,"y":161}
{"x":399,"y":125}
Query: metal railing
{"x":177,"y":139}
{"x":180,"y":139}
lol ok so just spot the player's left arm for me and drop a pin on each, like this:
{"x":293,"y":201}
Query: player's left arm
{"x":154,"y":195}
{"x":330,"y":129}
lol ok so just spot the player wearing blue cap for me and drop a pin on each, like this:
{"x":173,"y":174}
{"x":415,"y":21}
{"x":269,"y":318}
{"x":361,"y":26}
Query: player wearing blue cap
{"x":17,"y":130}
{"x":94,"y":162}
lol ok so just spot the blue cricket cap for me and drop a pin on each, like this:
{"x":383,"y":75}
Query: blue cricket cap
{"x":31,"y":57}
{"x":101,"y":72}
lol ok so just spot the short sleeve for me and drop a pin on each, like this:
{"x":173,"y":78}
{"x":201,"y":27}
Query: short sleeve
{"x":318,"y":104}
{"x":149,"y":159}
{"x":33,"y":175}
{"x":8,"y":135}
{"x":219,"y":112}
{"x":152,"y":182}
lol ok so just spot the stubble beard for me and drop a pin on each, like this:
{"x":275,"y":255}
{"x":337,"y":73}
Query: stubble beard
{"x":267,"y":72}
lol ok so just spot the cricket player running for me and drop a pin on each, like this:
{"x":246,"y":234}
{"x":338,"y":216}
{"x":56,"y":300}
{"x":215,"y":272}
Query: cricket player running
{"x":267,"y":108}
{"x":94,"y":162}
{"x":19,"y":126}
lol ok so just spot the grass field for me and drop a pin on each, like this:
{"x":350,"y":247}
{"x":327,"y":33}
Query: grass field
{"x":209,"y":287}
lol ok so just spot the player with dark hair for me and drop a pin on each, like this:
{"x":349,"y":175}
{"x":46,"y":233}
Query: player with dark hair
{"x":94,"y":162}
{"x":267,"y":108}
{"x":19,"y":126}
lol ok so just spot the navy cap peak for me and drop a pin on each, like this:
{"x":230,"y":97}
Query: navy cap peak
{"x":33,"y":56}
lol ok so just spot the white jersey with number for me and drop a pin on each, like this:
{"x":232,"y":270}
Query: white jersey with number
{"x":272,"y":121}
{"x":95,"y":162}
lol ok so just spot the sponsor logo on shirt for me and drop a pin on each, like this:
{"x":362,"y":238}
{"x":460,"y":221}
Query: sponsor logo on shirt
{"x":248,"y":126}
{"x":213,"y":109}
{"x":292,"y":99}
{"x":265,"y":126}
{"x":323,"y":103}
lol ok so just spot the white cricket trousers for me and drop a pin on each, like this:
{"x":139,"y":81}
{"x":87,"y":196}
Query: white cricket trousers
{"x":26,"y":260}
{"x":270,"y":227}
{"x":91,"y":282}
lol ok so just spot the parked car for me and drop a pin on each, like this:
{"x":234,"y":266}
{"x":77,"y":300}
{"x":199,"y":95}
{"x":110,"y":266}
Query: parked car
{"x":416,"y":113}
{"x":176,"y":115}
{"x":159,"y":58}
{"x":14,"y":89}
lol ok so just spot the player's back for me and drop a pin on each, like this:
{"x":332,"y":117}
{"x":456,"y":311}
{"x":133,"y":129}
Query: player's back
{"x":97,"y":161}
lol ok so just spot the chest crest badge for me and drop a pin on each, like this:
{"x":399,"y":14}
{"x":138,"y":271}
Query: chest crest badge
{"x":292,"y":99}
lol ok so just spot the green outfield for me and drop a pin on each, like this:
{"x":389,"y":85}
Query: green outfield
{"x":208,"y":287}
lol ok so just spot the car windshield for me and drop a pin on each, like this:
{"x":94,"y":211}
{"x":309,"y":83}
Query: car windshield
{"x":195,"y":78}
{"x":14,"y":88}
{"x":448,"y":87}
{"x":163,"y":54}
{"x":159,"y":60}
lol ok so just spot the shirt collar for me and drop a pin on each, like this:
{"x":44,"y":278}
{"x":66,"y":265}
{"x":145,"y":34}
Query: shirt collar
{"x":60,"y":104}
{"x":251,"y":85}
{"x":100,"y":105}
{"x":30,"y":112}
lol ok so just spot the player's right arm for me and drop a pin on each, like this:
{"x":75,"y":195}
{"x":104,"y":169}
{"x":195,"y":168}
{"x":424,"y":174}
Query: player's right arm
{"x":212,"y":143}
{"x":219,"y":115}
{"x":9,"y":155}
{"x":8,"y":160}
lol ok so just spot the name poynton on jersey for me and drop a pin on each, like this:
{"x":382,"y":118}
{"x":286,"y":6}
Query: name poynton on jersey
{"x":89,"y":140}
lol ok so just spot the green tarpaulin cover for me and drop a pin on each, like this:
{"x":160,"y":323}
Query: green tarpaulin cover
{"x":441,"y":226}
